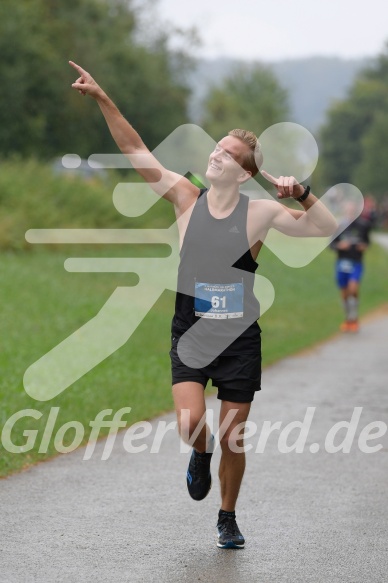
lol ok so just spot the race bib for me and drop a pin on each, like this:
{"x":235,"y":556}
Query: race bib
{"x":345,"y":265}
{"x":219,"y":301}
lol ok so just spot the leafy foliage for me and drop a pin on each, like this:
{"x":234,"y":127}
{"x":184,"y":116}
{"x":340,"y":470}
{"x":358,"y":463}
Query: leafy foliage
{"x":354,"y":145}
{"x":34,"y":196}
{"x":41,"y":115}
{"x":250,"y":98}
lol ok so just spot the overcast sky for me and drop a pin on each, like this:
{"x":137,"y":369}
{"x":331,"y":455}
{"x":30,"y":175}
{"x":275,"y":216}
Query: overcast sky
{"x":279,"y":29}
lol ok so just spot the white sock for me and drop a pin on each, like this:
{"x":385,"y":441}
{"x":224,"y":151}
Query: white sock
{"x":345,"y":304}
{"x":352,"y":308}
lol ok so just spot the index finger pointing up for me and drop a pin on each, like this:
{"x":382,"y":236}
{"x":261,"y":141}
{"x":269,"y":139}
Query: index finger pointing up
{"x":78,"y":68}
{"x":269,"y":177}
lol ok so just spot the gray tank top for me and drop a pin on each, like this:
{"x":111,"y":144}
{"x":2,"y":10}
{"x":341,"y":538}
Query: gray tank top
{"x":215,"y":299}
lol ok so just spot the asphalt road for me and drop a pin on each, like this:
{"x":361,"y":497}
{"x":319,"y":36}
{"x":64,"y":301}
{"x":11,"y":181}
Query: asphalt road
{"x":381,"y":239}
{"x":307,"y":517}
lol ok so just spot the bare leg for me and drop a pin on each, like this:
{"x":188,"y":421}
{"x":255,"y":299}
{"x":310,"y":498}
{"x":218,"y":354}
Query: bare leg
{"x":232,"y":463}
{"x":350,"y":300}
{"x":190,"y":408}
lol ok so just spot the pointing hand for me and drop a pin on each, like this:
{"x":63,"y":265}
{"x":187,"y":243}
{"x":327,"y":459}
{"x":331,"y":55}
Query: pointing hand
{"x":288,"y":186}
{"x":85,"y":84}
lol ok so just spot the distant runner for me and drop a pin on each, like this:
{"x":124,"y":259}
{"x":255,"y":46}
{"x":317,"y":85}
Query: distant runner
{"x":350,"y":246}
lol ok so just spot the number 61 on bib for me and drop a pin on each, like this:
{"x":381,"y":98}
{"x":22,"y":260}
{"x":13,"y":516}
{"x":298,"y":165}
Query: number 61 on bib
{"x":219,"y":301}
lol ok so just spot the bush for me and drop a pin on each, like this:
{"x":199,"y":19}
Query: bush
{"x":33,"y":196}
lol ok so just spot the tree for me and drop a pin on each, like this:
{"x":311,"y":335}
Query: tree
{"x":371,"y":175}
{"x":40,"y":114}
{"x":348,"y":121}
{"x":250,"y":98}
{"x":352,"y":140}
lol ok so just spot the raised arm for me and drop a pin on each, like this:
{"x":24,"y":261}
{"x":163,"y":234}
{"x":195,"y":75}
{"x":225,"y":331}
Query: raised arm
{"x":317,"y":222}
{"x":172,"y":186}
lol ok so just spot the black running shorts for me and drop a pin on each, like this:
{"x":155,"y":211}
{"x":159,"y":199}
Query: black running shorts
{"x":237,"y":377}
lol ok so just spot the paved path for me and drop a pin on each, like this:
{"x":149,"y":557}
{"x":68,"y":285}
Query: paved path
{"x":307,"y":517}
{"x":381,"y":239}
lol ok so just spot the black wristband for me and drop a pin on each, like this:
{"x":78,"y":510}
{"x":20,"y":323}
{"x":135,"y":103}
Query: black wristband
{"x":304,"y":195}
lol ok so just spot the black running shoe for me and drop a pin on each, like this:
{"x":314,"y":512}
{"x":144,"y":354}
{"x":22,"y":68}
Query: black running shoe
{"x":229,"y":535}
{"x":198,"y":477}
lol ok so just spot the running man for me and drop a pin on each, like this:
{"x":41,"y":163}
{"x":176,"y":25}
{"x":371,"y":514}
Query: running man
{"x":350,"y":246}
{"x":221,"y":233}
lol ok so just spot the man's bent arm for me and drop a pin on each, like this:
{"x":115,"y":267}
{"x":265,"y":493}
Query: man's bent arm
{"x":314,"y":221}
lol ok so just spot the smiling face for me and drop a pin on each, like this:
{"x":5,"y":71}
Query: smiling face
{"x":225,"y":162}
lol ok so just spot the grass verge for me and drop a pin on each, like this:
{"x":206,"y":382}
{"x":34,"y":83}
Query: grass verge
{"x":42,"y":304}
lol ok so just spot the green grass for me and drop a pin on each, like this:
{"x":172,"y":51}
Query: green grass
{"x":307,"y":307}
{"x":42,"y":304}
{"x":32,"y":196}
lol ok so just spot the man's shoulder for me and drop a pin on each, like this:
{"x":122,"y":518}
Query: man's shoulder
{"x":260,"y":216}
{"x":262,"y":205}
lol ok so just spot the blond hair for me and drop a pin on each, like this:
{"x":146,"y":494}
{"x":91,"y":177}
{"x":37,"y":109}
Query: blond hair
{"x":253,"y":159}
